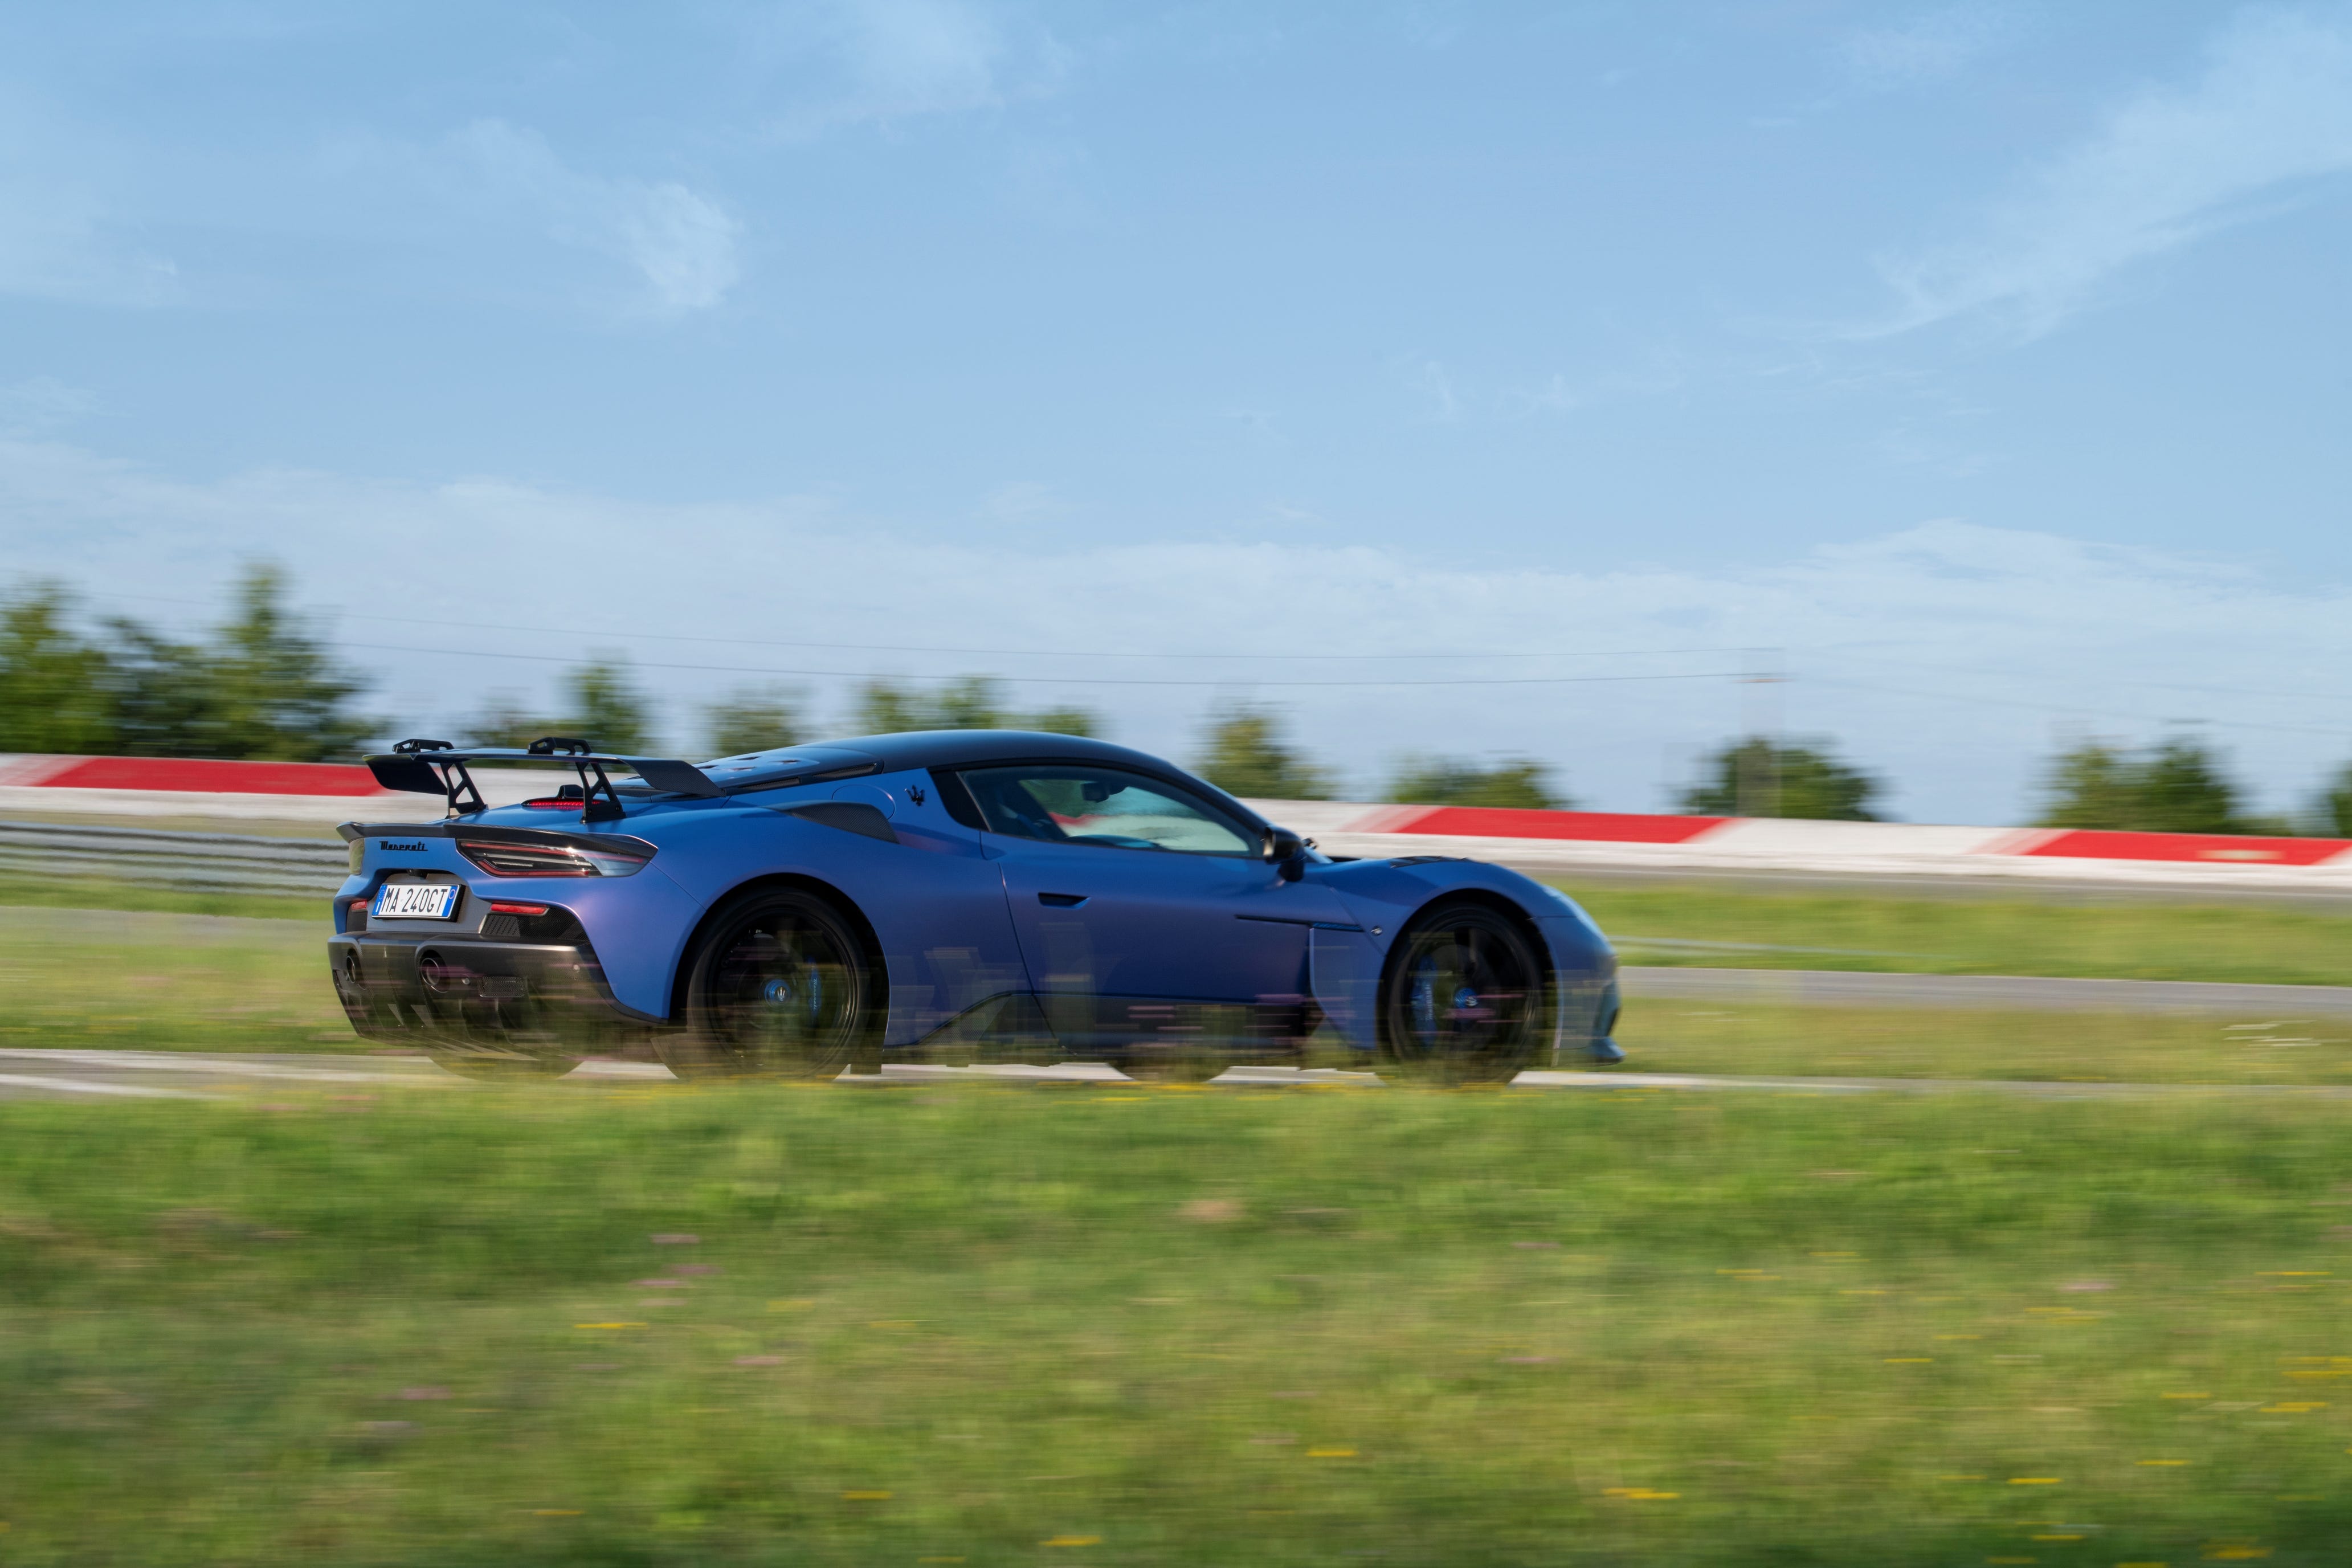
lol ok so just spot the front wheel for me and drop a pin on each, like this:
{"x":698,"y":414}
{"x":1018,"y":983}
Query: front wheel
{"x":1461,"y":1000}
{"x":780,"y":986}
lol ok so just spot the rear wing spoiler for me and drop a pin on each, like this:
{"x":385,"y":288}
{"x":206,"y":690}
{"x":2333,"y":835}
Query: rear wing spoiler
{"x":437,"y":767}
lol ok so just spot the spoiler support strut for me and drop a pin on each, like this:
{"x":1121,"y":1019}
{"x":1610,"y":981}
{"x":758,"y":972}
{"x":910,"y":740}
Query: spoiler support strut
{"x":437,"y":767}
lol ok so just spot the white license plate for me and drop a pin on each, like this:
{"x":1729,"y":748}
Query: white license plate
{"x":416,"y":901}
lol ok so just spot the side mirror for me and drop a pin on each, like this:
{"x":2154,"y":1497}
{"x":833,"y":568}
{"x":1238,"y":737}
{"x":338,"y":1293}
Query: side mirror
{"x":1286,"y":851}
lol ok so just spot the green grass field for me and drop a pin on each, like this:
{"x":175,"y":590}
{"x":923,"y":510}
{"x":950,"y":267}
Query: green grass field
{"x":91,"y":979}
{"x":19,"y":890}
{"x":1087,"y":1326}
{"x":2116,"y":939}
{"x":1083,"y":1327}
{"x":1665,"y":1035}
{"x":2113,"y":938}
{"x":157,"y":980}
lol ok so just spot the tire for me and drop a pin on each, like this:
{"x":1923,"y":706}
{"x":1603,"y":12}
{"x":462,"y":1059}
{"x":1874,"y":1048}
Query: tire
{"x":781,"y":986}
{"x":1463,"y":999}
{"x":502,"y":1068}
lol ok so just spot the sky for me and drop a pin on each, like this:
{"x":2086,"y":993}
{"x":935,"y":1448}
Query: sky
{"x":1476,"y":379}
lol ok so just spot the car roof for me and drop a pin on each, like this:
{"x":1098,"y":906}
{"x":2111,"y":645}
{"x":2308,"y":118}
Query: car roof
{"x":928,"y":749}
{"x":824,"y":760}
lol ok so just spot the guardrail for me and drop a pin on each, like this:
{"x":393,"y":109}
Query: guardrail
{"x":209,"y":862}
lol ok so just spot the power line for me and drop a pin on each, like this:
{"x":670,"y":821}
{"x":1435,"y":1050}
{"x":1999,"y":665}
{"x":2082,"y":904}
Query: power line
{"x":1051,"y":680}
{"x":981,"y":652}
{"x":2339,"y":730}
{"x":1109,"y":680}
{"x":2110,"y":680}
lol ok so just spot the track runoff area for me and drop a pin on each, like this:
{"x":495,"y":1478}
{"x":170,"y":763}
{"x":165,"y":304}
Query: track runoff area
{"x":2004,"y":1226}
{"x":1758,"y":952}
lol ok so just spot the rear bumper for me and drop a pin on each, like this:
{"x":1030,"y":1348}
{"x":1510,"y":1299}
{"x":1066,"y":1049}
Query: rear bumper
{"x":448,"y":991}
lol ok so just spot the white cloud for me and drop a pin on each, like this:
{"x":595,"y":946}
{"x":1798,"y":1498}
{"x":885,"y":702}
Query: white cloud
{"x":1429,"y":379}
{"x":2272,"y":112}
{"x":921,"y":56}
{"x":895,"y":59}
{"x":41,"y":404}
{"x":1022,"y":501}
{"x":1661,"y":371}
{"x":61,"y":234}
{"x":1927,"y":48}
{"x":681,"y":243}
{"x":1943,"y":655}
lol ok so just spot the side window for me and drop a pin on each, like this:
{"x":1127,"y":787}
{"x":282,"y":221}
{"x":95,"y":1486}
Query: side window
{"x":1104,"y":806}
{"x":956,"y":799}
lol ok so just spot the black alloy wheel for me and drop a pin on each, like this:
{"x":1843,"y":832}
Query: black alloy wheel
{"x":781,"y":986}
{"x":1461,"y":999}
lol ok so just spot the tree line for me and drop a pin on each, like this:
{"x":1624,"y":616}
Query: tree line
{"x":263,"y":684}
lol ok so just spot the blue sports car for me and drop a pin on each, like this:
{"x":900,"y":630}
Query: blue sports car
{"x":948,"y":896}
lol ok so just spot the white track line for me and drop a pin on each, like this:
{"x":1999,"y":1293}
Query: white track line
{"x":2036,"y":1088}
{"x":1102,"y":1074}
{"x":84,"y":1086}
{"x":216,"y":1067}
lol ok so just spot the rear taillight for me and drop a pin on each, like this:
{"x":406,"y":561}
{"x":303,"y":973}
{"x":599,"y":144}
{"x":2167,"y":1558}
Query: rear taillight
{"x":510,"y":860}
{"x":499,"y":908}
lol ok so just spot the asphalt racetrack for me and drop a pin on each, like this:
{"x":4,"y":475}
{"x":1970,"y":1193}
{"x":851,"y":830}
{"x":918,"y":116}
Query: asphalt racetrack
{"x":128,"y":1075}
{"x":133,"y":1074}
{"x":2008,"y":992}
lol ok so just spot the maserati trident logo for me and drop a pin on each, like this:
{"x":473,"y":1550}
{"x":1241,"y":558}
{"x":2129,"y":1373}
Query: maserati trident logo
{"x":415,"y":848}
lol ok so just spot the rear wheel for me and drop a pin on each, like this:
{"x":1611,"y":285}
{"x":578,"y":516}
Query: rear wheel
{"x":782,"y":986}
{"x":1462,"y":998}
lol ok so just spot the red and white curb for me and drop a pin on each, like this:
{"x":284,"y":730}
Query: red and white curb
{"x":1568,"y":841}
{"x":1554,"y":841}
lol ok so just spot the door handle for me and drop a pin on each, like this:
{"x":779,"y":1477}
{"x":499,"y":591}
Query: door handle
{"x":1062,"y":901}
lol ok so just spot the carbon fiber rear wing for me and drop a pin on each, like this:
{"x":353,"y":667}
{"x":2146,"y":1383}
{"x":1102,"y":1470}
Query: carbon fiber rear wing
{"x":437,"y":767}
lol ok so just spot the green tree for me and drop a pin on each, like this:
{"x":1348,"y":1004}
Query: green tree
{"x":263,"y":686}
{"x":276,"y":692}
{"x":55,"y":685}
{"x":1452,"y":781}
{"x":601,"y":705}
{"x":755,"y":719}
{"x":2176,"y":787}
{"x":161,"y":693}
{"x":1759,"y":777}
{"x":2090,"y":785}
{"x":505,"y":722}
{"x":1064,"y":721}
{"x":606,"y":708}
{"x":969,"y":702}
{"x":2333,"y":813}
{"x":1247,"y":755}
{"x":885,"y":708}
